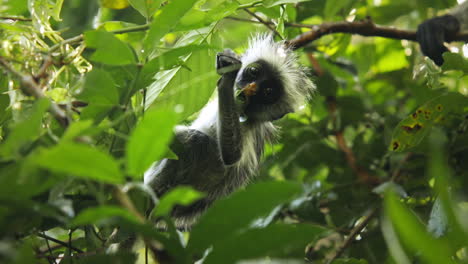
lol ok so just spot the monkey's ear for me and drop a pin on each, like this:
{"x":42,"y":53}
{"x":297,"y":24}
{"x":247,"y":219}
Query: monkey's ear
{"x":227,"y":61}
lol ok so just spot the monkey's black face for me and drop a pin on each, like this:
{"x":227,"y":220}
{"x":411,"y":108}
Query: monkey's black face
{"x":258,"y":87}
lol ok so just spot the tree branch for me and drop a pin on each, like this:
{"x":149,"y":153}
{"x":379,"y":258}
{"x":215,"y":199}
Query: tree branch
{"x":352,"y":235}
{"x":269,"y":25}
{"x":364,"y":27}
{"x":63,"y":244}
{"x":29,"y":86}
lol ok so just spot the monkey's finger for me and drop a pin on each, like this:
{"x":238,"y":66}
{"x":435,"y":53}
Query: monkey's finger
{"x":226,"y":63}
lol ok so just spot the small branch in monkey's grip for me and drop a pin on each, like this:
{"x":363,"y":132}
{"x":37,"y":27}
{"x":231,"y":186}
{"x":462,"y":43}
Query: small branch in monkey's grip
{"x":364,"y":27}
{"x":29,"y":86}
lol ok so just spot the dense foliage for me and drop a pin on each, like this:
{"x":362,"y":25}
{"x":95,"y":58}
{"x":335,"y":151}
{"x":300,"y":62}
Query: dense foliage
{"x":373,"y":170}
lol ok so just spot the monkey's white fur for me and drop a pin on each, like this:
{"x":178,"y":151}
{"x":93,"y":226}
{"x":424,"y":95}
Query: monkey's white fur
{"x":297,"y":84}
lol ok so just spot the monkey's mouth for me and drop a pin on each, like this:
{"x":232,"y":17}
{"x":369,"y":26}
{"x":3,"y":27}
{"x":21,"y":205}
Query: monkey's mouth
{"x":246,"y":92}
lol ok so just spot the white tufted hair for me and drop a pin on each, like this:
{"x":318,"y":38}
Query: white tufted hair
{"x":297,"y":85}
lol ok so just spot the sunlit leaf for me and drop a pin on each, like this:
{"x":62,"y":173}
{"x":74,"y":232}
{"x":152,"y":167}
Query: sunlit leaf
{"x":165,"y":21}
{"x":81,"y":161}
{"x":186,"y":88}
{"x":97,"y":214}
{"x":146,"y":7}
{"x":25,"y":130}
{"x":109,"y":49}
{"x":115,"y":4}
{"x":148,"y":142}
{"x":101,"y":94}
{"x":178,"y":196}
{"x":411,"y":130}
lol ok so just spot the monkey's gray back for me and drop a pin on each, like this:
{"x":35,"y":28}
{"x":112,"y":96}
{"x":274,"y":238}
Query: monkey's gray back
{"x":200,"y":166}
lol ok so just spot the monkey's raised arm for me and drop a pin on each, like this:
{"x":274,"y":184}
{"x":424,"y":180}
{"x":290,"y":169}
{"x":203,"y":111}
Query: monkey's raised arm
{"x":229,"y":131}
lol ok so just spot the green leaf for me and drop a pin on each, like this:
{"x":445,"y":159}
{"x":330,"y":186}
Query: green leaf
{"x":166,"y":61}
{"x":179,"y":196}
{"x":146,"y":7}
{"x":98,"y":214}
{"x":332,"y":7}
{"x":115,"y":4}
{"x":109,"y":49}
{"x":100,"y":92}
{"x":80,"y":160}
{"x":279,"y":240}
{"x":119,"y":257}
{"x":76,"y":129}
{"x":148,"y":142}
{"x":25,"y":130}
{"x":15,"y":8}
{"x":186,"y":88}
{"x":236,"y":212}
{"x":454,"y":61}
{"x":165,"y":21}
{"x":411,"y":130}
{"x":414,"y":235}
{"x":57,"y":7}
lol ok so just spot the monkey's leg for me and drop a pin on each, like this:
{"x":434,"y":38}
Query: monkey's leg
{"x":229,"y":133}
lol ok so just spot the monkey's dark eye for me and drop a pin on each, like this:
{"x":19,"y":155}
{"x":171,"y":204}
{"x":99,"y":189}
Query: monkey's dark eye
{"x":252,"y":71}
{"x":268,"y":91}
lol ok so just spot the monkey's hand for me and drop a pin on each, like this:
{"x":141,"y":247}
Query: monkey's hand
{"x":227,"y":61}
{"x":432,"y":33}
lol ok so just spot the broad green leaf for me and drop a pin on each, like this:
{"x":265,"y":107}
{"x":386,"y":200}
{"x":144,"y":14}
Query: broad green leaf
{"x":97,"y":214}
{"x":413,"y":234}
{"x":146,"y":7}
{"x":76,"y":129}
{"x":101,"y":93}
{"x":15,"y":8}
{"x":196,"y":18}
{"x":81,"y":161}
{"x":148,"y":142}
{"x":166,"y":61}
{"x":25,"y":130}
{"x":109,"y":49}
{"x":411,"y":130}
{"x":57,"y":7}
{"x":115,"y":4}
{"x":179,"y":196}
{"x":186,"y":88}
{"x":279,"y":240}
{"x":165,"y":21}
{"x":454,"y":61}
{"x":332,"y":7}
{"x":230,"y":215}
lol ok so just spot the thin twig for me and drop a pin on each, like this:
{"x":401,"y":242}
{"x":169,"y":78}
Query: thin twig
{"x":15,"y":18}
{"x":79,"y":38}
{"x":288,"y":24}
{"x":264,"y":22}
{"x":363,"y":175}
{"x":353,"y":234}
{"x":29,"y":86}
{"x":125,"y":201}
{"x":50,"y":250}
{"x":364,"y":27}
{"x":64,"y":244}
